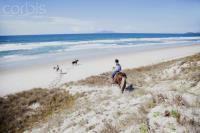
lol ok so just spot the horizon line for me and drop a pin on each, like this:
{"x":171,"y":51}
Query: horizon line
{"x":103,"y":33}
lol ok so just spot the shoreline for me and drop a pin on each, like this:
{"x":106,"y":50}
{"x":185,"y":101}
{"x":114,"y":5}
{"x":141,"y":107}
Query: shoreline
{"x":123,"y":52}
{"x":44,"y":75}
{"x":51,"y":59}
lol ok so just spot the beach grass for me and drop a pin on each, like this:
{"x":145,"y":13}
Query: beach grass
{"x":22,"y":110}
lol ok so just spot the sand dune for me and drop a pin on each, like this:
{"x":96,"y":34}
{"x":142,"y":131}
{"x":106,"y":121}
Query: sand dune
{"x":165,"y":98}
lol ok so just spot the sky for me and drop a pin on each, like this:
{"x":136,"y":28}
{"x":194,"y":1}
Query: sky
{"x":24,"y":17}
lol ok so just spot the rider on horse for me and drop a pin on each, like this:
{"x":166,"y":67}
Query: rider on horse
{"x":117,"y":68}
{"x":118,"y":76}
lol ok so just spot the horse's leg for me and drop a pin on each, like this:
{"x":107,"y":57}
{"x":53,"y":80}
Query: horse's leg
{"x":123,"y":84}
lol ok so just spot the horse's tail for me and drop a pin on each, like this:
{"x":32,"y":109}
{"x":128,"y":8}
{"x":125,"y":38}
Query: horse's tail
{"x":123,"y":83}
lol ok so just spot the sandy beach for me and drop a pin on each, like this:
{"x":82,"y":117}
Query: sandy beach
{"x":17,"y":80}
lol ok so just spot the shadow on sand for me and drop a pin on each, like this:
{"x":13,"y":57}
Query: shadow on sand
{"x":130,"y":88}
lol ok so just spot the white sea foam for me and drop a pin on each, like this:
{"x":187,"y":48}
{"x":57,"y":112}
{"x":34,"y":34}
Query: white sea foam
{"x":13,"y":58}
{"x":27,"y":46}
{"x":115,"y":45}
{"x":96,"y":43}
{"x":103,"y":46}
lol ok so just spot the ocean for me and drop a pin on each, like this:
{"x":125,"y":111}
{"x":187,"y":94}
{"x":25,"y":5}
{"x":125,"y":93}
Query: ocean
{"x":16,"y":51}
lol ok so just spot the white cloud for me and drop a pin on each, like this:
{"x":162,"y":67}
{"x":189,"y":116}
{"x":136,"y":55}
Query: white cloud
{"x":45,"y":25}
{"x":64,"y":25}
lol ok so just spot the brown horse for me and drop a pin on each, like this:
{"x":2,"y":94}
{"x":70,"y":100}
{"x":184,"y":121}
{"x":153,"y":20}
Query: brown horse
{"x":120,"y":79}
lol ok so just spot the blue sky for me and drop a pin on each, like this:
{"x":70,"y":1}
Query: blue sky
{"x":88,"y":16}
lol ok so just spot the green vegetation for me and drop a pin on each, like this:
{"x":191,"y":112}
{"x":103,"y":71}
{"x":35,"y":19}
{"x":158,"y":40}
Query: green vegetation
{"x":174,"y":113}
{"x":143,"y":128}
{"x":156,"y":114}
